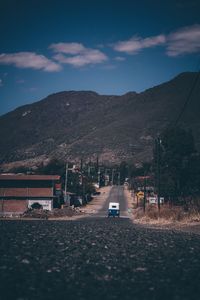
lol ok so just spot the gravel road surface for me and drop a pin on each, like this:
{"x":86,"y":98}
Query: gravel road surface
{"x":97,"y":258}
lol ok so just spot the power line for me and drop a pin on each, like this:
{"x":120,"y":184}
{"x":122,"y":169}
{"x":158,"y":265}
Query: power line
{"x":158,"y":141}
{"x":188,"y":98}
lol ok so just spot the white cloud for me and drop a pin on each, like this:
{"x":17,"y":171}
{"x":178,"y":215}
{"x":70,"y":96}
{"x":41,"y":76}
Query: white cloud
{"x":136,"y":44}
{"x":29,"y":60}
{"x":67,"y":48}
{"x":79,"y":54}
{"x":184,"y":41}
{"x":1,"y":82}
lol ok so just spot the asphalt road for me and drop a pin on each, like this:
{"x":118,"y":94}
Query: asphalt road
{"x":97,"y":258}
{"x":116,"y":195}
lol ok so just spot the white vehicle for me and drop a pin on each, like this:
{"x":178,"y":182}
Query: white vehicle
{"x":113,"y":209}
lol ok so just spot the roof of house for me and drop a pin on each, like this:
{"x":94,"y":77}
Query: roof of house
{"x":26,"y":192}
{"x":28,"y":177}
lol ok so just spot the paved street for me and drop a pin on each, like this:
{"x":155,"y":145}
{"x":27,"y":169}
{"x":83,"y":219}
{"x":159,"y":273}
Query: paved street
{"x":116,"y":195}
{"x":97,"y":258}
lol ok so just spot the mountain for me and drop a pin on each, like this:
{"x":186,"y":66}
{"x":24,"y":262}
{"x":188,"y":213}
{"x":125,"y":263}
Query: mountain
{"x":73,"y":124}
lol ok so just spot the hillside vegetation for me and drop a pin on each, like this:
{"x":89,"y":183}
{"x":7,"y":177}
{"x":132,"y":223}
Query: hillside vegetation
{"x":73,"y":124}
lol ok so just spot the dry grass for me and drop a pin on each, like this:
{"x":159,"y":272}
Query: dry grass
{"x":166,"y":215}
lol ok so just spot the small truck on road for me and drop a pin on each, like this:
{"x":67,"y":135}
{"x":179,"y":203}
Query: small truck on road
{"x":113,"y":209}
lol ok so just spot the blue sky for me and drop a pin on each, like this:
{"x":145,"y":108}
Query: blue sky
{"x":110,"y":47}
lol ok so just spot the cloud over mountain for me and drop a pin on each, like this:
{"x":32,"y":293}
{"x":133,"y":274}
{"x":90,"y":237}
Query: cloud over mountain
{"x":29,"y":60}
{"x":77,"y":55}
{"x":184,"y":41}
{"x":136,"y":44}
{"x":67,"y":48}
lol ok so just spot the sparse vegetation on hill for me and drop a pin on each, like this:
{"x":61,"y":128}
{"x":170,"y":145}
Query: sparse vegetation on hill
{"x":70,"y":125}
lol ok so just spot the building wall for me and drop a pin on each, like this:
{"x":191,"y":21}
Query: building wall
{"x":16,"y":191}
{"x":13,"y":206}
{"x":46,"y":204}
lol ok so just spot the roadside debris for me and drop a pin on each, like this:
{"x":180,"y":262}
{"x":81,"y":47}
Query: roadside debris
{"x":55,"y":213}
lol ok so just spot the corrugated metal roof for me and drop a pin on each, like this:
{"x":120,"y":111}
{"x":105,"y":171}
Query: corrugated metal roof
{"x":28,"y":177}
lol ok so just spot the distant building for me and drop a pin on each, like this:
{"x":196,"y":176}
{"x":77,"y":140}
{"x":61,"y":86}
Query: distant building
{"x":144,"y":182}
{"x":18,"y":192}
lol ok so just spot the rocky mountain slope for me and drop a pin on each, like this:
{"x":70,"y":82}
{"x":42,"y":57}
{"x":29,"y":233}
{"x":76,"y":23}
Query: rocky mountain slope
{"x":74,"y":124}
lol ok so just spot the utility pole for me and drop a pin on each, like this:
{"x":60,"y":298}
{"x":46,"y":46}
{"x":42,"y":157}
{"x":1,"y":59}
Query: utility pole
{"x":97,"y":164}
{"x":83,"y":186}
{"x":158,"y":142}
{"x":66,"y":179}
{"x":81,"y":164}
{"x":88,"y":170}
{"x":99,"y":173}
{"x":113,"y":175}
{"x":118,"y":178}
{"x":145,"y":183}
{"x":97,"y":168}
{"x":66,"y":175}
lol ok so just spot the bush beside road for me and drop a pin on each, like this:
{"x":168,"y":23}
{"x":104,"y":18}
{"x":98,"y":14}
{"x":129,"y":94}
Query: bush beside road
{"x":173,"y":217}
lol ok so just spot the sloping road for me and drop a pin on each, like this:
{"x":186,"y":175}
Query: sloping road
{"x":97,"y":258}
{"x":116,"y":195}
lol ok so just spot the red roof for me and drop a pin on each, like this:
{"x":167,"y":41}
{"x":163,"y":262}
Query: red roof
{"x":26,"y":192}
{"x":29,"y":177}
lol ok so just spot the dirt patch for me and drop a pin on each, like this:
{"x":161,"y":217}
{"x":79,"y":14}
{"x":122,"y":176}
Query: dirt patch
{"x":130,"y":202}
{"x":98,"y":201}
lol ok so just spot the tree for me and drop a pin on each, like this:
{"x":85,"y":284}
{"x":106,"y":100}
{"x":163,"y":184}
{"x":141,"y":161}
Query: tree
{"x":123,"y":169}
{"x":173,"y":156}
{"x":54,"y":167}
